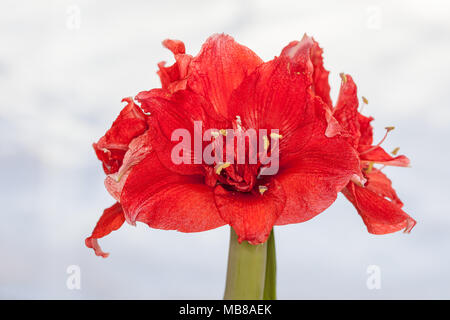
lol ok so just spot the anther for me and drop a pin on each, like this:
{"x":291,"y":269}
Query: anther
{"x":364,"y":99}
{"x":218,"y":168}
{"x":262,"y":189}
{"x":274,"y":135}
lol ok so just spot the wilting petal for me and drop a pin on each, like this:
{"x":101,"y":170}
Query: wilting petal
{"x":164,"y":200}
{"x":312,"y":182}
{"x":378,"y":155}
{"x":380,"y":216}
{"x":251,"y":214}
{"x":219,"y":68}
{"x":111,"y":148}
{"x":346,"y":110}
{"x":381,"y":185}
{"x":111,"y":219}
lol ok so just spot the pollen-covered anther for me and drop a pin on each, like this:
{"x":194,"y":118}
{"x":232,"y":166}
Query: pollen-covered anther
{"x":389,"y":128}
{"x":395,"y":151}
{"x":262,"y":189}
{"x":343,"y":77}
{"x":274,"y":135}
{"x":364,"y":99}
{"x":370,"y":167}
{"x":223,"y":132}
{"x":218,"y":168}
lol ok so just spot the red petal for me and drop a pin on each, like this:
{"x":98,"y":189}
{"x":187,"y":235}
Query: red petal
{"x":173,"y":78}
{"x":378,"y":155}
{"x":276,"y":94}
{"x":346,"y":110}
{"x":321,"y":86}
{"x":219,"y":68}
{"x":172,"y":112}
{"x":164,"y":200}
{"x":311,"y":183}
{"x":380,"y":216}
{"x":111,"y":148}
{"x":251,"y":214}
{"x":176,"y":46}
{"x":138,"y":149}
{"x":366,"y":130}
{"x":112,"y":219}
{"x":381,"y":185}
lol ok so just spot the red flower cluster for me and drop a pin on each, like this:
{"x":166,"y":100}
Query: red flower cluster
{"x":323,"y":150}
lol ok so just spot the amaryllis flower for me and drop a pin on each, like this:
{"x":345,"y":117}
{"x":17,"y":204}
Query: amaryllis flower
{"x":229,"y":90}
{"x":375,"y":200}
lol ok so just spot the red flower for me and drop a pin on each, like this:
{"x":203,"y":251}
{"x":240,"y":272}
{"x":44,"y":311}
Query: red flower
{"x":227,"y":86}
{"x":376,"y":201}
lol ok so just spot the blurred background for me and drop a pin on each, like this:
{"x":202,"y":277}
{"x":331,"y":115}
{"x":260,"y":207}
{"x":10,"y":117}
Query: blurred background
{"x":65,"y":66}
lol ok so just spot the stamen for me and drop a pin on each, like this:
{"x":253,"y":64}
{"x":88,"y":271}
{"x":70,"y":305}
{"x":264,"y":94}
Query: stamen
{"x":395,"y":151}
{"x":223,"y":132}
{"x":218,"y":168}
{"x":215,"y":134}
{"x":262,"y":189}
{"x":343,"y":77}
{"x":388,"y":129}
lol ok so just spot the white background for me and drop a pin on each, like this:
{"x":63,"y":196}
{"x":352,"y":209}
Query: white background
{"x":65,"y":66}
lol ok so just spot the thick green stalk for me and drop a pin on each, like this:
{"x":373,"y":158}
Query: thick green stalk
{"x":270,"y":286}
{"x":246,"y":273}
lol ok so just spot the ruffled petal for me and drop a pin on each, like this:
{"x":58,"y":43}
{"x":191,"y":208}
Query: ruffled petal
{"x":219,"y":68}
{"x":138,"y":149}
{"x":321,"y":87}
{"x":380,"y":215}
{"x":251,"y":214}
{"x":111,"y":148}
{"x":366,"y":130}
{"x":346,"y":110}
{"x":156,"y":196}
{"x":312,"y":182}
{"x":174,"y":77}
{"x":111,"y":219}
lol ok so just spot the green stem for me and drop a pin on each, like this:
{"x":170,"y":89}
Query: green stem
{"x":246,"y":270}
{"x":270,"y":286}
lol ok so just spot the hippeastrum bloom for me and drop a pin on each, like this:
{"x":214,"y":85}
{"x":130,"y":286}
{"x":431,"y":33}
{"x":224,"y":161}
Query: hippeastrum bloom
{"x":226,"y":87}
{"x":375,"y":200}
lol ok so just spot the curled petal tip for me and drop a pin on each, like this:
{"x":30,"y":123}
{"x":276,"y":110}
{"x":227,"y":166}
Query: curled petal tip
{"x":410,"y":225}
{"x":93,"y":244}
